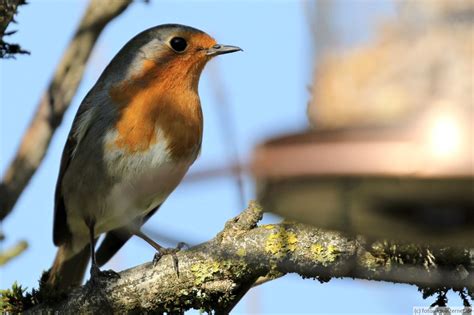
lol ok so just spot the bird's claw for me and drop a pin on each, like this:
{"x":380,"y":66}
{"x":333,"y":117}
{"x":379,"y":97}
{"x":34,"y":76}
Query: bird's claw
{"x":98,"y":275}
{"x":109,"y":274}
{"x":182,"y":245}
{"x":172,"y":252}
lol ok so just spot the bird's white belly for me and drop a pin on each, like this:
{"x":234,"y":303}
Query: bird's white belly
{"x":140,"y":181}
{"x":138,"y":194}
{"x":146,"y":180}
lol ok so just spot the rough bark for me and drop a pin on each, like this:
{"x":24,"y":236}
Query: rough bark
{"x":55,"y":100}
{"x":216,"y":274}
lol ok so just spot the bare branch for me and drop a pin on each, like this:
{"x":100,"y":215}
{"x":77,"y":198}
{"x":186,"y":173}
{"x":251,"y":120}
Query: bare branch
{"x":215,"y":274}
{"x":56,"y":100}
{"x":12,"y":252}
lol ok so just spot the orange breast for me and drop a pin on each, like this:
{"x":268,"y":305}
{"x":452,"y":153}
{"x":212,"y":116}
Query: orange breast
{"x":162,"y":96}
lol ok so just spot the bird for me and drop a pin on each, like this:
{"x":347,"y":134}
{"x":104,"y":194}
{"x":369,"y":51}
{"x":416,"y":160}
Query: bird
{"x":134,"y":137}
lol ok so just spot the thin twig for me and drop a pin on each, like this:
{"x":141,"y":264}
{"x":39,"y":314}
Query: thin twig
{"x":228,"y":129}
{"x":12,"y":252}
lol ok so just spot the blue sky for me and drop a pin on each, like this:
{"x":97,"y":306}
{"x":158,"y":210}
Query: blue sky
{"x":267,"y":91}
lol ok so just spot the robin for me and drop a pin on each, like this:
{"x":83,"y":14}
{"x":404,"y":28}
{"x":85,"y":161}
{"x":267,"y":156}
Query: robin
{"x":135,"y":135}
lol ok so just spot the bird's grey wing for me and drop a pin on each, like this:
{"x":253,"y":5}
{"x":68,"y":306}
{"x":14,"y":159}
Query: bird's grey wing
{"x":80,"y":126}
{"x":115,"y":239}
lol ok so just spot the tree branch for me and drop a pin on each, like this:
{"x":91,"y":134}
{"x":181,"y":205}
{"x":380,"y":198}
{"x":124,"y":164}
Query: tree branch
{"x":216,"y":274}
{"x":56,"y":100}
{"x":13,"y":252}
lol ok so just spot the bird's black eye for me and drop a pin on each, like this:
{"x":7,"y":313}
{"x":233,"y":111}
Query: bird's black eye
{"x":178,"y":44}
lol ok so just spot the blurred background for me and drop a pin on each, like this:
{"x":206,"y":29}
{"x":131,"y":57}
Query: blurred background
{"x":259,"y":94}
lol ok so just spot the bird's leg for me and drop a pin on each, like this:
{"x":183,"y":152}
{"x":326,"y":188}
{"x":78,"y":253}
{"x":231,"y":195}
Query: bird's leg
{"x":94,"y":268}
{"x":161,"y":251}
{"x":96,"y":273}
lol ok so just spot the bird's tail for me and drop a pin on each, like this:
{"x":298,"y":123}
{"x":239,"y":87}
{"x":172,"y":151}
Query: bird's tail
{"x":68,"y":271}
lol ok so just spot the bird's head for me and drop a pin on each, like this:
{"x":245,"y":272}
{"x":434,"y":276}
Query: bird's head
{"x":175,"y":54}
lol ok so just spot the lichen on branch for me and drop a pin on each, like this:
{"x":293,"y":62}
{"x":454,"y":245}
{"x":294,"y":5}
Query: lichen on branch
{"x":216,"y":274}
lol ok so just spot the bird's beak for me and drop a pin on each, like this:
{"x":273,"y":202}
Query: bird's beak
{"x":219,"y":49}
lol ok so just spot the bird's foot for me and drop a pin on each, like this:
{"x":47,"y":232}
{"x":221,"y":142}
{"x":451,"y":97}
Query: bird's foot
{"x":98,"y":275}
{"x":170,"y":251}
